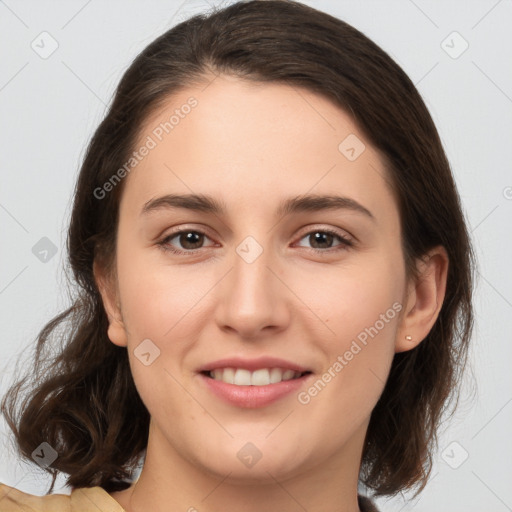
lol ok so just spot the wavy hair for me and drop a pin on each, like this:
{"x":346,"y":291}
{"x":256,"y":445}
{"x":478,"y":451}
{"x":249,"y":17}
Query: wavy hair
{"x":83,"y":400}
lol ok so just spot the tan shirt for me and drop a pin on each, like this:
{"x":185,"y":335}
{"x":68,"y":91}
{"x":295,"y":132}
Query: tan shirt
{"x":85,"y":499}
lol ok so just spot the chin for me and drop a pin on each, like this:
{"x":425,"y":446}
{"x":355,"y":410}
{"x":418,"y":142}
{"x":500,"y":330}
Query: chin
{"x":248,"y":464}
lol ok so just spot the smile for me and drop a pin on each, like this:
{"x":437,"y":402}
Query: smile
{"x":253,"y":389}
{"x":260,"y":377}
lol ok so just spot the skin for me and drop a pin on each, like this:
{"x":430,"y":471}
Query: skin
{"x":251,"y":145}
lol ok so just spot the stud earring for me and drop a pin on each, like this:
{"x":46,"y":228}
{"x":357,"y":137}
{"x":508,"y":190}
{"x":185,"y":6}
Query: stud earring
{"x":408,"y":338}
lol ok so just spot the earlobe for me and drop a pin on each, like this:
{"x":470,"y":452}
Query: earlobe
{"x":424,"y":300}
{"x":116,"y":329}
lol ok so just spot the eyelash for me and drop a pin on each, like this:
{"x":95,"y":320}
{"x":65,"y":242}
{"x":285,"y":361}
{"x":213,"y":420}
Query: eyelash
{"x":344,"y":245}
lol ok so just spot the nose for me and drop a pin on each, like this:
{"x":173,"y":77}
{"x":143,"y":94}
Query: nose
{"x":253,"y":299}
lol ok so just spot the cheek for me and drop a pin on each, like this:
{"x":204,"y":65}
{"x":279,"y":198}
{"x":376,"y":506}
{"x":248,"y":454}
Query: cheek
{"x":352,"y":299}
{"x":157,"y":300}
{"x":361,"y":308}
{"x":364,"y":305}
{"x":159,"y":306}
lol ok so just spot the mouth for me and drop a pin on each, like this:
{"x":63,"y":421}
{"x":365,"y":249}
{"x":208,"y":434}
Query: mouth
{"x":259,"y":377}
{"x":252,"y":383}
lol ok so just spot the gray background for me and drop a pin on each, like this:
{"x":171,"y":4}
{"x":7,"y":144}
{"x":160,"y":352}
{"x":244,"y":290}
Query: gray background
{"x":50,"y":107}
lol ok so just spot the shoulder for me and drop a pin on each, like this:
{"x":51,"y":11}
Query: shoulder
{"x":80,"y":500}
{"x":14,"y":500}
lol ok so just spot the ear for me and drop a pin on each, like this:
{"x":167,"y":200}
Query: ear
{"x":116,"y":329}
{"x":424,"y":299}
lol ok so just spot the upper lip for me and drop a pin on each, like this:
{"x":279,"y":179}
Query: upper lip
{"x":253,"y":364}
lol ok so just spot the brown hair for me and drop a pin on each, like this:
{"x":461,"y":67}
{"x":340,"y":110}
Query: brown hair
{"x":84,"y":402}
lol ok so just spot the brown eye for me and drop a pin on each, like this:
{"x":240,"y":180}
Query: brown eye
{"x":190,"y":239}
{"x":319,"y":240}
{"x":186,"y":241}
{"x":322,"y":240}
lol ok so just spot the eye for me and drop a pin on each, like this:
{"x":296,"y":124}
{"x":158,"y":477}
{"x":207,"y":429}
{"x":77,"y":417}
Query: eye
{"x":193,"y":240}
{"x":190,"y":240}
{"x":320,"y":238}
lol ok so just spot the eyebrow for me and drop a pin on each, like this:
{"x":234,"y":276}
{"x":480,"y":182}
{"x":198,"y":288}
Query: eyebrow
{"x":305,"y":203}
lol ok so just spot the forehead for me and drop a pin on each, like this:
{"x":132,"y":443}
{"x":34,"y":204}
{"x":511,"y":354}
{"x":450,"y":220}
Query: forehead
{"x":243,"y":141}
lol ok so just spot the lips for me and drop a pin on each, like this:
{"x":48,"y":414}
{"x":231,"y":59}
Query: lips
{"x":253,"y":364}
{"x":252,"y":383}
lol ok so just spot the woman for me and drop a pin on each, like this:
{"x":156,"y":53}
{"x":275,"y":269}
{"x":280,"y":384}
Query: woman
{"x":275,"y":279}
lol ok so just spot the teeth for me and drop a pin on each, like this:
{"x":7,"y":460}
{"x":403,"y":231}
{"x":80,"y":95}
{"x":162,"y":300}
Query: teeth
{"x":242,"y":378}
{"x":228,"y":375}
{"x":261,"y":377}
{"x":288,"y":374}
{"x":276,"y":375}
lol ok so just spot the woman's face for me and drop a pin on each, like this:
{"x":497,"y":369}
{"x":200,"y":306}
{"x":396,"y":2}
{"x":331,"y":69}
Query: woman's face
{"x":257,"y":289}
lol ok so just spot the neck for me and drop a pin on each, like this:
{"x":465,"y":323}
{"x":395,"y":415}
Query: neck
{"x":170,"y":482}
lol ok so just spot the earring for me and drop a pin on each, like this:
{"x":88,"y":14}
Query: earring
{"x":408,"y":338}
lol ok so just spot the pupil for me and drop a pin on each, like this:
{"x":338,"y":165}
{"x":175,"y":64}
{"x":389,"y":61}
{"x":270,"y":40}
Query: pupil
{"x":188,"y":238}
{"x":318,"y":237}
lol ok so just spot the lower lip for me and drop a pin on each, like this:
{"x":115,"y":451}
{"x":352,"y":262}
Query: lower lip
{"x":253,"y":396}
